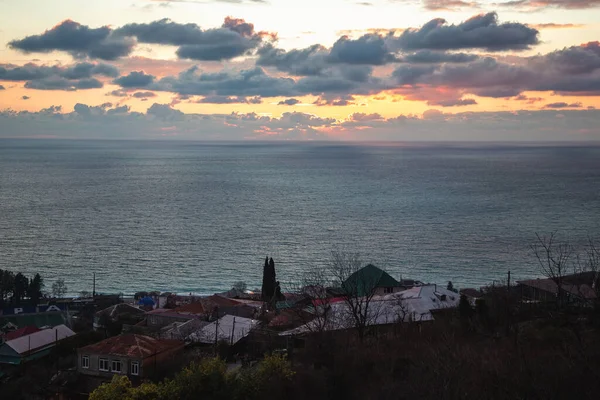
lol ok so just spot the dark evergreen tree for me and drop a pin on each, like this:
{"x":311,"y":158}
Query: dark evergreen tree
{"x":34,"y":291}
{"x":7,"y":285}
{"x":464,"y":307}
{"x":267,"y":286}
{"x":269,"y":280}
{"x":450,"y":286}
{"x":20,"y":287}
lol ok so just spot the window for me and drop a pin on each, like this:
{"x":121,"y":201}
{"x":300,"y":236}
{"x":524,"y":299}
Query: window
{"x":103,"y":364}
{"x":135,"y":368}
{"x":85,"y":361}
{"x":116,"y":366}
{"x":388,"y":290}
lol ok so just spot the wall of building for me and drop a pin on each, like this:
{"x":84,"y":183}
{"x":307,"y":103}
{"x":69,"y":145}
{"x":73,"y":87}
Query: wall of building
{"x":94,"y":370}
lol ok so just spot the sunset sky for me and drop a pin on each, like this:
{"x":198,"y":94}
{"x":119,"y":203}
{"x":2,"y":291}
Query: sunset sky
{"x":402,"y":70}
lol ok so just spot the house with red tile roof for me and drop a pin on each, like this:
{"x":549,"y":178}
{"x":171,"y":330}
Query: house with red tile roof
{"x":128,"y":354}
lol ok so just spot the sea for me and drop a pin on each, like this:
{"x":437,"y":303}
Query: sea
{"x":196,"y":217}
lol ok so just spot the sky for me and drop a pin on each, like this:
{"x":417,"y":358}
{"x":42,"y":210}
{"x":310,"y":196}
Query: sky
{"x":378,"y":70}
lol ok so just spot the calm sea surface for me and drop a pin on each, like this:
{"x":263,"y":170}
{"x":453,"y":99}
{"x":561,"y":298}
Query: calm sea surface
{"x":196,"y":217}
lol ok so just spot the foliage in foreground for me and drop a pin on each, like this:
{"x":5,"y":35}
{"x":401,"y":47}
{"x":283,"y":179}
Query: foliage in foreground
{"x":207,"y":379}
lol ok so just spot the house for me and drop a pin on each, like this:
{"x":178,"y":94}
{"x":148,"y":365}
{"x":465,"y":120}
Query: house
{"x":32,"y":346}
{"x":116,"y":312}
{"x":228,"y":328}
{"x":472,"y":295}
{"x":17,"y":333}
{"x":162,"y":317}
{"x":214,"y":306}
{"x":127,"y":354}
{"x":370,"y":280}
{"x":412,"y":305}
{"x":579,"y":288}
{"x":181,"y":330}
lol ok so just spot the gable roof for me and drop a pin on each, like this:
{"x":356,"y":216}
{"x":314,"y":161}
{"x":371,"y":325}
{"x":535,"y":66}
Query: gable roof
{"x":131,"y":345}
{"x":364,"y":280}
{"x":118,"y":309}
{"x":28,"y":330}
{"x":229,"y":328}
{"x":38,"y":340}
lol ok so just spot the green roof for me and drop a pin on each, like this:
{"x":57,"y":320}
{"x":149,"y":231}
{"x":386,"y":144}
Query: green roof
{"x":366,"y":279}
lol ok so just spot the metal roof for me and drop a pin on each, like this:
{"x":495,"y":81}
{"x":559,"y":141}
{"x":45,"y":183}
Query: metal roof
{"x":229,"y":328}
{"x":413,"y":304}
{"x":40,"y":339}
{"x":368,"y":278}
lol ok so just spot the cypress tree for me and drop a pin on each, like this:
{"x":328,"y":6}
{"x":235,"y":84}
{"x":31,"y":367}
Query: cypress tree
{"x":266,"y":289}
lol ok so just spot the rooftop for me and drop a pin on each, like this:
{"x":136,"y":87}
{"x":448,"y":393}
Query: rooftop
{"x":39,"y":339}
{"x":121,"y":308}
{"x":28,"y":330}
{"x":367,"y":278}
{"x":131,"y":345}
{"x":582,"y":290}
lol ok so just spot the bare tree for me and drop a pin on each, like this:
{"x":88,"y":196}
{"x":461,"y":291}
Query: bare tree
{"x":358,"y":288}
{"x":312,"y":287}
{"x":59,"y":289}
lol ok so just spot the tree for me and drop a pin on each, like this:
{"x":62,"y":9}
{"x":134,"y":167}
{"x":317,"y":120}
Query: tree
{"x":464,"y":307}
{"x":59,"y":289}
{"x":269,"y":280}
{"x":312,"y":286}
{"x":450,"y":286}
{"x":240,"y":286}
{"x":7,"y":285}
{"x":34,"y":290}
{"x":554,"y":260}
{"x":21,"y":283}
{"x":358,"y":289}
{"x":118,"y":388}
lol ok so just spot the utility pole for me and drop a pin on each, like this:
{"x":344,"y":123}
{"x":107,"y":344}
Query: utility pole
{"x":216,"y":334}
{"x":508,"y":310}
{"x":232,"y":330}
{"x":94,"y":287}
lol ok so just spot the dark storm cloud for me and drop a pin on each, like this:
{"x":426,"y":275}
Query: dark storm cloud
{"x":78,"y":40}
{"x":288,"y":102}
{"x":135,"y":79}
{"x":479,"y":32}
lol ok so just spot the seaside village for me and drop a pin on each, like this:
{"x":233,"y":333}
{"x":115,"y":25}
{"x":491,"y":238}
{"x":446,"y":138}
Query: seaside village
{"x":71,"y":346}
